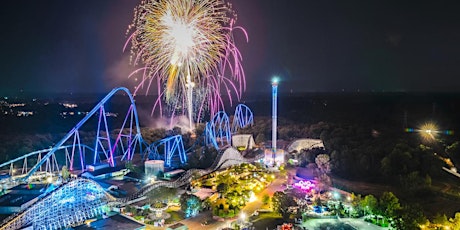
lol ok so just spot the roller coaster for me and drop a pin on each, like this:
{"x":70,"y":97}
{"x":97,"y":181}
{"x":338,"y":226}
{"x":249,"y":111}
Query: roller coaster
{"x":80,"y":199}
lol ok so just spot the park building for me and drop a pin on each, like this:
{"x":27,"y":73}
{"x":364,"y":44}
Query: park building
{"x":177,"y":226}
{"x":21,"y":197}
{"x":154,"y":168}
{"x":105,"y":173}
{"x":306,"y":143}
{"x":243,"y":141}
{"x":113,"y":223}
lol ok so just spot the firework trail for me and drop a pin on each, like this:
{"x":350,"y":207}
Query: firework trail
{"x":186,"y":47}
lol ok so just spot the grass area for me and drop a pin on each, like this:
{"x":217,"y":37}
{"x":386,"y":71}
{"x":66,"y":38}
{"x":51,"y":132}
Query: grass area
{"x":268,"y":220}
{"x":175,"y":216}
{"x":265,"y":215}
{"x":341,"y":226}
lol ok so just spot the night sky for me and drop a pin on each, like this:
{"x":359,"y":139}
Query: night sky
{"x":314,"y":46}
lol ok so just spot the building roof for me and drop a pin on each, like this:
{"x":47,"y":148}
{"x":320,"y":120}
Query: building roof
{"x":176,"y":226}
{"x":105,"y":170}
{"x":116,"y":222}
{"x":174,"y":172}
{"x":204,"y":193}
{"x":134,"y":175}
{"x":130,"y":187}
{"x":29,"y":188}
{"x":16,"y":200}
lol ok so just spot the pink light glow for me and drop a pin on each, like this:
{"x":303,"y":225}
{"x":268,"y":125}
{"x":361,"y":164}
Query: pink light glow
{"x":305,"y":185}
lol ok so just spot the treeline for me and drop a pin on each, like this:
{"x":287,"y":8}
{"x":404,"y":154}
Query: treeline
{"x":15,"y":145}
{"x":363,"y":152}
{"x":379,"y":154}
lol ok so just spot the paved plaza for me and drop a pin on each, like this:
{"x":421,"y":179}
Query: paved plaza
{"x":354,"y":223}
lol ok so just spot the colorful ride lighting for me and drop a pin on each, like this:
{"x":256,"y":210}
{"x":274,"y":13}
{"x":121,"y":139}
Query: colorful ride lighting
{"x":305,"y":185}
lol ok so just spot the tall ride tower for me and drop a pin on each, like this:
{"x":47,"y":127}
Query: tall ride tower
{"x":190,"y":86}
{"x":275,"y":81}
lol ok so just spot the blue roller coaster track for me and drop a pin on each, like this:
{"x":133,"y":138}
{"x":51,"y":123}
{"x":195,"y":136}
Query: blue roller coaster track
{"x":124,"y":143}
{"x":82,"y":199}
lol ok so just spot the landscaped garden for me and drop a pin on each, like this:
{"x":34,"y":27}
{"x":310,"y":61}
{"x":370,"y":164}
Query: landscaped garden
{"x":236,"y":185}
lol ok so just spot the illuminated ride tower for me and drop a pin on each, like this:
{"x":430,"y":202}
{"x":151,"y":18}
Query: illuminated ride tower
{"x":275,"y":81}
{"x":189,"y":84}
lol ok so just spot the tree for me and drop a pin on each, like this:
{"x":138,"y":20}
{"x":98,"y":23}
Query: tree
{"x":340,"y":209}
{"x":369,"y":204}
{"x":196,"y":175}
{"x":190,"y":205}
{"x":453,"y":151}
{"x":455,"y":222}
{"x":412,"y":181}
{"x":400,"y":161}
{"x":356,"y":203}
{"x":266,"y":199}
{"x":206,"y":204}
{"x":324,"y":182}
{"x":260,"y":138}
{"x":389,"y":204}
{"x":151,"y":135}
{"x":318,"y":201}
{"x":323,"y":163}
{"x":131,"y":209}
{"x":162,"y":194}
{"x":281,"y":203}
{"x":440,"y":219}
{"x":129,"y":165}
{"x":410,"y":217}
{"x":65,"y":173}
{"x":428,"y":180}
{"x":222,"y":188}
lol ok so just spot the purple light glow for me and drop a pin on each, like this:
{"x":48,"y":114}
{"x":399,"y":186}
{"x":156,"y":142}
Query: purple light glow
{"x":305,"y":185}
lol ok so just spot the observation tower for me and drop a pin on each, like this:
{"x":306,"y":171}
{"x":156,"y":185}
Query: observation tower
{"x":275,"y":82}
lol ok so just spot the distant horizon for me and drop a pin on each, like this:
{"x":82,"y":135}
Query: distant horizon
{"x":261,"y":92}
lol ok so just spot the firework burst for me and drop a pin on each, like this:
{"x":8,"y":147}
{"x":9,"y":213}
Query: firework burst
{"x":185,"y":48}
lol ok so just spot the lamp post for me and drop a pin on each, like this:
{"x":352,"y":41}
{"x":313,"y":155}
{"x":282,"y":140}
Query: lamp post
{"x":242,"y":219}
{"x":275,"y":82}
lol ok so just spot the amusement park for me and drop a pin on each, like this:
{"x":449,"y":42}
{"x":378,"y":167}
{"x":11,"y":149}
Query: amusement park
{"x":174,"y":142}
{"x":103,"y":172}
{"x":116,"y":177}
